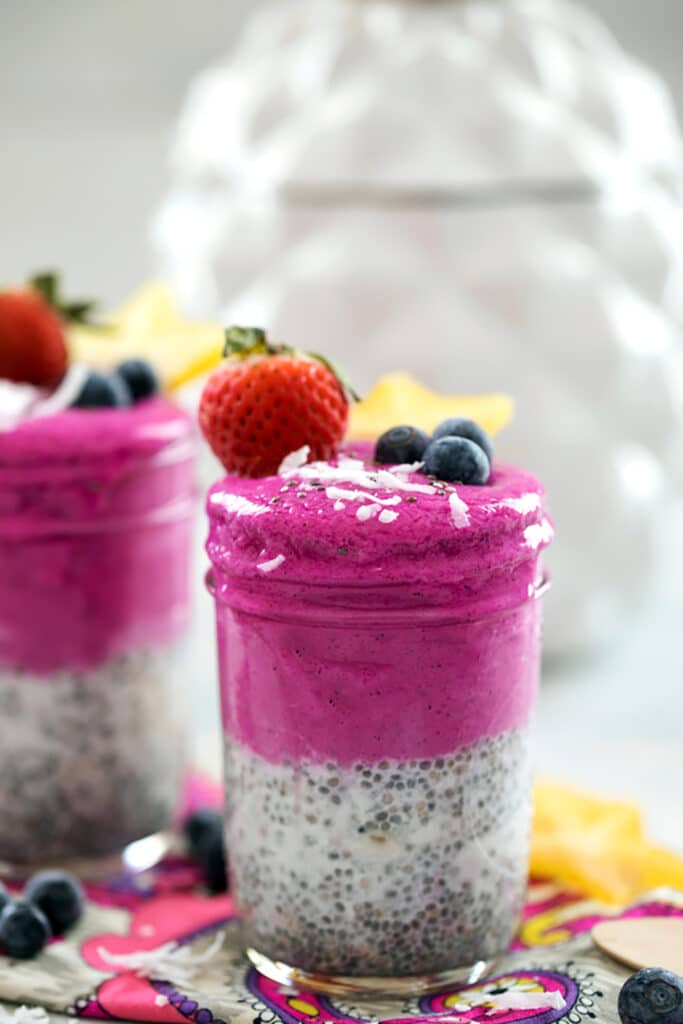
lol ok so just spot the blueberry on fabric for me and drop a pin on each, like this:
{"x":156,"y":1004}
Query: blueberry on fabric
{"x":652,"y":996}
{"x":140,"y":378}
{"x":211,"y":855}
{"x":204,"y":831}
{"x":459,"y":426}
{"x":401,"y":445}
{"x":5,"y":896}
{"x":24,"y":930}
{"x":103,"y":391}
{"x":457,"y":460}
{"x":202,"y":822}
{"x":59,"y":896}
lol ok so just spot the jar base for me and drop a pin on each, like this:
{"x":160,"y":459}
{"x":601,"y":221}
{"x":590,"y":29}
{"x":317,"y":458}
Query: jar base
{"x":342,"y":985}
{"x":138,"y":856}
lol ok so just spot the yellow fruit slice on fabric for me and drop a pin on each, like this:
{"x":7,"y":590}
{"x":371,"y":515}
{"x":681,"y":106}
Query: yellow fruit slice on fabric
{"x":597,"y":847}
{"x":149,"y":326}
{"x":398,"y":398}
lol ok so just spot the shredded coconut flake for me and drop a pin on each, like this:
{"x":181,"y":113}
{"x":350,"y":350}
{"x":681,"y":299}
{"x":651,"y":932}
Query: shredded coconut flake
{"x":339,"y":494}
{"x":66,"y":394}
{"x":238,"y":504}
{"x":386,"y":516}
{"x":366,"y":512}
{"x":274,"y":563}
{"x":538,"y":534}
{"x":526,"y":504}
{"x":16,"y":402}
{"x":171,"y":961}
{"x":528,"y":1000}
{"x":394,"y":481}
{"x":24,"y":1015}
{"x":459,"y":511}
{"x":295,"y":460}
{"x":353,"y":471}
{"x":22,"y":401}
{"x":519,"y":1000}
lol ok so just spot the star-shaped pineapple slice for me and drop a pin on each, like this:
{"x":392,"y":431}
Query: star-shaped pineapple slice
{"x":597,"y":846}
{"x":399,"y":399}
{"x":149,"y":326}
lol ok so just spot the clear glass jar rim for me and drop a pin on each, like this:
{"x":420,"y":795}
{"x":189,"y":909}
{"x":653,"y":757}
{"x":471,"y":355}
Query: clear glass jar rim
{"x":72,"y":467}
{"x":346,"y":615}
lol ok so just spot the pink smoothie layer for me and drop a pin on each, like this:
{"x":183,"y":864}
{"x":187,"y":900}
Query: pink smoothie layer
{"x":367,"y":613}
{"x":95,"y":510}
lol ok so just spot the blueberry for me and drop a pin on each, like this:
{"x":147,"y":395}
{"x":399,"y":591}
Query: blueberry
{"x":204,"y":830}
{"x":202,"y":822}
{"x":401,"y":445}
{"x":24,"y":930}
{"x":140,"y":377}
{"x":5,"y":896}
{"x":102,"y":391}
{"x":458,"y":426}
{"x":652,"y":996}
{"x":59,"y":896}
{"x":211,"y":856}
{"x":458,"y":460}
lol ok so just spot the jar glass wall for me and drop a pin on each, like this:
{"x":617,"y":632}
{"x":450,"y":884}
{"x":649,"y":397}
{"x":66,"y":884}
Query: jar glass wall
{"x":378,"y":783}
{"x":95,"y":529}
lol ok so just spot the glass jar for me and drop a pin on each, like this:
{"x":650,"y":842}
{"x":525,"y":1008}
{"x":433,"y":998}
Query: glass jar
{"x":95,"y":530}
{"x":377,"y":768}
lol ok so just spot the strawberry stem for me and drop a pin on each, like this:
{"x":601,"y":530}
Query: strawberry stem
{"x":242,"y":342}
{"x":343,"y":380}
{"x":47,"y":285}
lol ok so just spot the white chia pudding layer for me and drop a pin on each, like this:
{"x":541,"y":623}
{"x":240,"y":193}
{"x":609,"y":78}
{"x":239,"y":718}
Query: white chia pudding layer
{"x":90,"y":760}
{"x":390,"y":869}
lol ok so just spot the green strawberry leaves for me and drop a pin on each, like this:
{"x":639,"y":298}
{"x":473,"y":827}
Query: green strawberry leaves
{"x":243,"y":342}
{"x":247,"y":341}
{"x":47,"y":285}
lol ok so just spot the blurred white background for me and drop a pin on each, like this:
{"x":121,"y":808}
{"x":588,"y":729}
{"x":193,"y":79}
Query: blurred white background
{"x":89,"y":94}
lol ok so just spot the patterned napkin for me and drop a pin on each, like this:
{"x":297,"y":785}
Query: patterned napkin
{"x":187,"y":946}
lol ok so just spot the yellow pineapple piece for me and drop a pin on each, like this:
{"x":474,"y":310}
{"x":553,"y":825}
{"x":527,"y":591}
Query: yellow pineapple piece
{"x":596,"y":846}
{"x":150,"y":310}
{"x":149,"y":326}
{"x":399,"y":398}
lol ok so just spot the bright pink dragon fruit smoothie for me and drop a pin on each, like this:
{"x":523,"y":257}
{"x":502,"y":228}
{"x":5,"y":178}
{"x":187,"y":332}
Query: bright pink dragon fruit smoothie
{"x":95,"y":526}
{"x":379,"y":639}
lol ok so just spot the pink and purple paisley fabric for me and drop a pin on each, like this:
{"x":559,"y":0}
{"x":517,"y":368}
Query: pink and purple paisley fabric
{"x":167,"y":911}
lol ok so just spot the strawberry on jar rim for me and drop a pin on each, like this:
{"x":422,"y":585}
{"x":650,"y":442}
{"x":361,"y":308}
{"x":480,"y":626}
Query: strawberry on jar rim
{"x":266,"y":401}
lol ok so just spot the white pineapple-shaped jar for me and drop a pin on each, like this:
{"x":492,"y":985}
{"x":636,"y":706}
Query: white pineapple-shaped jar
{"x":484,"y":193}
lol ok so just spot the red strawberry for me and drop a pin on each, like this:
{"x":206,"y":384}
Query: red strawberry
{"x":32,"y":340}
{"x":32,"y":332}
{"x":269,"y":400}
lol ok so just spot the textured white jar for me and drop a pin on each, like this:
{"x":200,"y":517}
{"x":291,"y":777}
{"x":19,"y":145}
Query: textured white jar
{"x":485,"y":193}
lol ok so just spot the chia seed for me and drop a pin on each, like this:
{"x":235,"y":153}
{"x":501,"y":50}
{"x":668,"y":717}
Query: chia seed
{"x":460,"y":906}
{"x":89,"y":760}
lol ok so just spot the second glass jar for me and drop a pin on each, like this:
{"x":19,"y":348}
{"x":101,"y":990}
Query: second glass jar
{"x":95,"y":526}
